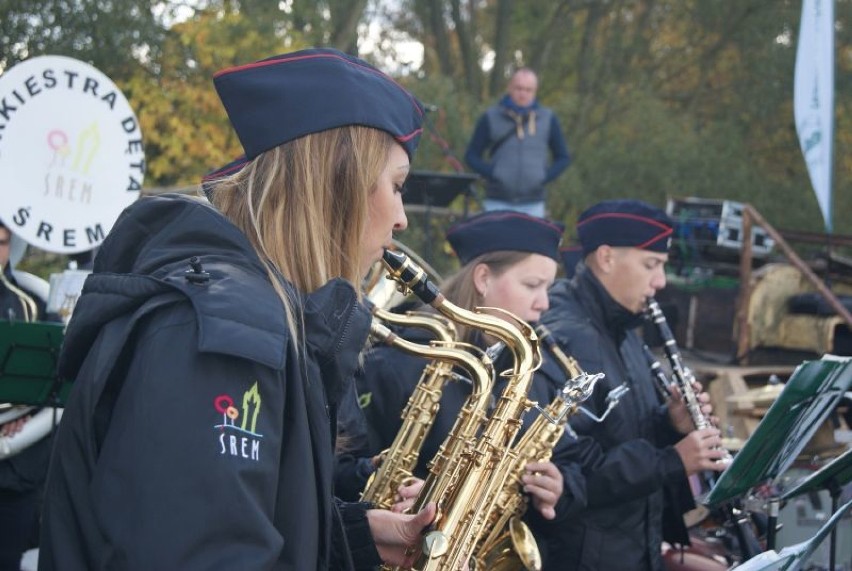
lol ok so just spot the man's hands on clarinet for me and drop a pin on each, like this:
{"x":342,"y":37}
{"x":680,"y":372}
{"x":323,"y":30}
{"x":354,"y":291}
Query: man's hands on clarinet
{"x":701,"y":449}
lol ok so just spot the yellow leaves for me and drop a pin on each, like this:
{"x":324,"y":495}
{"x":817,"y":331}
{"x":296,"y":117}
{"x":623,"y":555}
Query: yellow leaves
{"x":184,"y":126}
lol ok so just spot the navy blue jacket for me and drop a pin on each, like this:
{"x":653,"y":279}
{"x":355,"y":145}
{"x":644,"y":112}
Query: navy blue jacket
{"x":198,"y":434}
{"x":628,"y":460}
{"x":353,"y":461}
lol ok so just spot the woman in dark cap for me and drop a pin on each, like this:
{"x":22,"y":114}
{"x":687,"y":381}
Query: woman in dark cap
{"x":211,"y":344}
{"x":509,"y":260}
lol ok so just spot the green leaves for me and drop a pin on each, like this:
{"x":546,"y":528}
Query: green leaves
{"x":658,"y":98}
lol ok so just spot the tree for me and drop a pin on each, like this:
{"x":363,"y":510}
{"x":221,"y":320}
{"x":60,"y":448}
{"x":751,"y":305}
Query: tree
{"x":185,"y":127}
{"x":186,"y":131}
{"x":658,"y":98}
{"x":112,"y":35}
{"x":716,"y":77}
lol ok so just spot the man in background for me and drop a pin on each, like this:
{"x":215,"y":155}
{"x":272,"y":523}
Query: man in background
{"x":518,"y":147}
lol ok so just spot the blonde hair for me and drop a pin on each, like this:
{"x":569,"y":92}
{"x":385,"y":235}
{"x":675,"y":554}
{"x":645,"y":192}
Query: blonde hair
{"x":304,"y":207}
{"x":460,"y":289}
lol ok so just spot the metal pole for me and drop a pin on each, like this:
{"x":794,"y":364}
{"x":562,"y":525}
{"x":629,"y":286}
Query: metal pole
{"x":772,"y":524}
{"x":834,"y":492}
{"x":743,"y":329}
{"x":794,"y":258}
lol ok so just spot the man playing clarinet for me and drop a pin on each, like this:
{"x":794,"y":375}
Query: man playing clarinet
{"x":637,"y":459}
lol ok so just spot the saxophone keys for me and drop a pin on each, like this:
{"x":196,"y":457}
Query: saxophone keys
{"x":435,"y":544}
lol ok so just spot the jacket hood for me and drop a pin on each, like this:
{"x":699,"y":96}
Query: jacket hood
{"x":336,"y":329}
{"x":172,"y":244}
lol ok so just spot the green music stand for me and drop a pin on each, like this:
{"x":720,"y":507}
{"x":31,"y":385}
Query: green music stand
{"x":810,"y":394}
{"x":832,"y":477}
{"x":29,"y":354}
{"x":793,"y":557}
{"x":835,"y":474}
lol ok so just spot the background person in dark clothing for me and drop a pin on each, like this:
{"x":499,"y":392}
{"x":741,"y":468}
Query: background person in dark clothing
{"x":22,"y":474}
{"x":16,"y":302}
{"x":212,"y":344}
{"x":644,"y":449}
{"x":509,"y":261}
{"x":353,"y":464}
{"x":518,"y":147}
{"x":21,"y":479}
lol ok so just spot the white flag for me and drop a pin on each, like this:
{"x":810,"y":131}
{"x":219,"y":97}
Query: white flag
{"x":813,"y":97}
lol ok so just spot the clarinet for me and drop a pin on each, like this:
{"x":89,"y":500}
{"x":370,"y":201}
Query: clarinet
{"x":735,"y":517}
{"x":662,"y":382}
{"x":683,"y":376}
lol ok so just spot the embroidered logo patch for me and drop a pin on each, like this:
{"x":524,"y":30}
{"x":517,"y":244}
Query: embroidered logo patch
{"x":238,"y":430}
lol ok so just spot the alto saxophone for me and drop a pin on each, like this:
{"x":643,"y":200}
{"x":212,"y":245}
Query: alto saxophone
{"x":682,"y":375}
{"x":501,"y":547}
{"x":399,"y":460}
{"x":472,"y":466}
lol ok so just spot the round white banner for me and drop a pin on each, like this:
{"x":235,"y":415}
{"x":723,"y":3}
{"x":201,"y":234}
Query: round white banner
{"x":71,"y":156}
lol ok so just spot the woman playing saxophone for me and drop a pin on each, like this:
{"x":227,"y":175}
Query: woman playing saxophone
{"x":508,"y":263}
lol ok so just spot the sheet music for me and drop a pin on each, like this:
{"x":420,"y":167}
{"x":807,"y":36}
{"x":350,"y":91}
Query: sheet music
{"x":766,"y":561}
{"x":65,"y":288}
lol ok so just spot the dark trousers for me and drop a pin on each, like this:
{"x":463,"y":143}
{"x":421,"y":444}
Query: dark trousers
{"x":19,"y":525}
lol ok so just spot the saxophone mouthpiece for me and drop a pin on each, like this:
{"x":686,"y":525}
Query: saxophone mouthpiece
{"x":394,"y":260}
{"x":410,"y":276}
{"x":649,"y":308}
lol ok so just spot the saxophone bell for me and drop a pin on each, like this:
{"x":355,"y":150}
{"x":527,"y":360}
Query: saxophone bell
{"x":515,"y":549}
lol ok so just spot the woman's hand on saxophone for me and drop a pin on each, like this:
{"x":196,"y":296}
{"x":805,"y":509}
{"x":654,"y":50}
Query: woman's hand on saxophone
{"x":543,"y":482}
{"x":407,"y":494}
{"x":396,"y":535}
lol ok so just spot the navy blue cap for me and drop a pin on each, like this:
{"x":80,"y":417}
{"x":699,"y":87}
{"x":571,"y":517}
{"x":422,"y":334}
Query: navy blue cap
{"x":500,"y":230}
{"x":278,"y":99}
{"x":624,"y":223}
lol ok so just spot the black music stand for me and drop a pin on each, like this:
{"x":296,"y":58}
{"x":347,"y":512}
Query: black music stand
{"x":29,"y":354}
{"x":809,"y":396}
{"x":436,"y":189}
{"x":831,"y":477}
